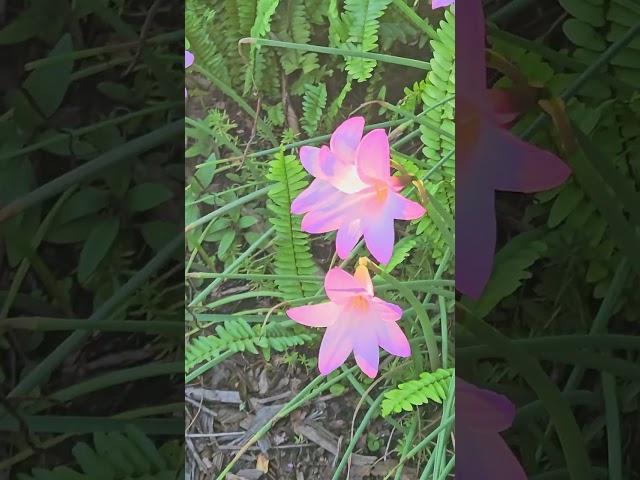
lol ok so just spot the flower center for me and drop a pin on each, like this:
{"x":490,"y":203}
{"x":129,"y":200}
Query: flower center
{"x":360,"y":303}
{"x":382,"y":191}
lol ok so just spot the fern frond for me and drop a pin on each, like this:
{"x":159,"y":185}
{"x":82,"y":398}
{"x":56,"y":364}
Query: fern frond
{"x":116,"y":456}
{"x":238,"y":336}
{"x":429,"y":387}
{"x":261,"y":26}
{"x":439,"y":85}
{"x":293,"y":250}
{"x":313,"y":103}
{"x":362,"y":17}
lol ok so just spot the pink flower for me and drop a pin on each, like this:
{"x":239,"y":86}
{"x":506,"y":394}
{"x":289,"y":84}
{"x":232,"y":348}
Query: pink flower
{"x":188,"y":61}
{"x":489,"y":158}
{"x":481,"y":452}
{"x":353,"y":191}
{"x":356,"y":321}
{"x":441,"y":3}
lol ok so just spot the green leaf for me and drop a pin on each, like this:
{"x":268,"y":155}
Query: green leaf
{"x":97,"y":246}
{"x":226,"y":242}
{"x":158,"y":234}
{"x":84,"y":202}
{"x":247,"y":221}
{"x":147,"y":196}
{"x":48,"y":85}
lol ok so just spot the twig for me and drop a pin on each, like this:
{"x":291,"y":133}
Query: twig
{"x":144,"y":32}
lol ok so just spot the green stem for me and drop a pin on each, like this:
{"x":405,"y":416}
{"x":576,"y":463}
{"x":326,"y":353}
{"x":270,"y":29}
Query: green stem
{"x":528,"y":367}
{"x":373,"y":409}
{"x":406,"y":62}
{"x":107,"y":160}
{"x":41,"y":372}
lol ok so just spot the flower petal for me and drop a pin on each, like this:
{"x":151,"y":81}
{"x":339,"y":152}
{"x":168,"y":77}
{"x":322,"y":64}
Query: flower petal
{"x":320,"y":315}
{"x":373,"y":157}
{"x":348,"y":235}
{"x":379,"y":236}
{"x":402,"y":208}
{"x":392,"y":339}
{"x":482,"y":410}
{"x":389,"y":312}
{"x":345,"y":139}
{"x":475,"y":236}
{"x":336,"y":345}
{"x":323,"y":164}
{"x":188,"y":59}
{"x":316,"y":196}
{"x":519,"y":166}
{"x":340,"y":286}
{"x":441,"y":3}
{"x":339,"y":209}
{"x":364,"y":279}
{"x":365,"y":347}
{"x":484,"y":457}
{"x":470,"y":47}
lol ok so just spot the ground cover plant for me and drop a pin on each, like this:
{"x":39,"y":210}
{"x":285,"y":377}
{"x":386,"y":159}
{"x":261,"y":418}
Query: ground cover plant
{"x":91,"y":301}
{"x":317,"y":135}
{"x":555,"y":326}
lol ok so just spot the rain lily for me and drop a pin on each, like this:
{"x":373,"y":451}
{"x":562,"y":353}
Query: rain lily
{"x":353,"y":191}
{"x":188,"y":61}
{"x":441,"y":3}
{"x":489,"y":157}
{"x":481,"y":452}
{"x":356,"y":321}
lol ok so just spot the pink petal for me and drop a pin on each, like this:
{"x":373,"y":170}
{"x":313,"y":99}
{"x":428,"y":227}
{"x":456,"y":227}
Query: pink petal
{"x":339,"y":209}
{"x":336,"y":345}
{"x":441,"y":3}
{"x":348,"y":236}
{"x":518,"y":166}
{"x":504,"y":107}
{"x":402,"y":208}
{"x":475,"y":236}
{"x":389,"y":312}
{"x":373,"y":157}
{"x":392,"y":339}
{"x":340,"y":286}
{"x":320,"y":315}
{"x":317,"y":195}
{"x":364,"y":279}
{"x":379,"y":236}
{"x":482,"y":410}
{"x":345,"y":139}
{"x":324,"y":165}
{"x":484,"y":456}
{"x":470,"y":50}
{"x":188,"y":59}
{"x":365,"y":347}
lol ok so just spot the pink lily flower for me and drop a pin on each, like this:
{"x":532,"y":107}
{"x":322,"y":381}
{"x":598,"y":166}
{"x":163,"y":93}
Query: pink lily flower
{"x":353,"y":191}
{"x":188,"y":61}
{"x":481,"y":452}
{"x":356,"y":321}
{"x":489,"y":157}
{"x":441,"y":3}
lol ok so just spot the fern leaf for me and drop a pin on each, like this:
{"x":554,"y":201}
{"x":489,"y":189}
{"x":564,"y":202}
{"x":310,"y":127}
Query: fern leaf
{"x":430,"y":387}
{"x":238,"y":336}
{"x":293,"y":250}
{"x":262,"y":25}
{"x":362,"y":17}
{"x":313,"y":103}
{"x":439,"y":85}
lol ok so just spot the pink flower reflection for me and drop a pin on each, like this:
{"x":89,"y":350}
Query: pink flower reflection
{"x":356,"y":321}
{"x":489,"y":158}
{"x":481,"y":452}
